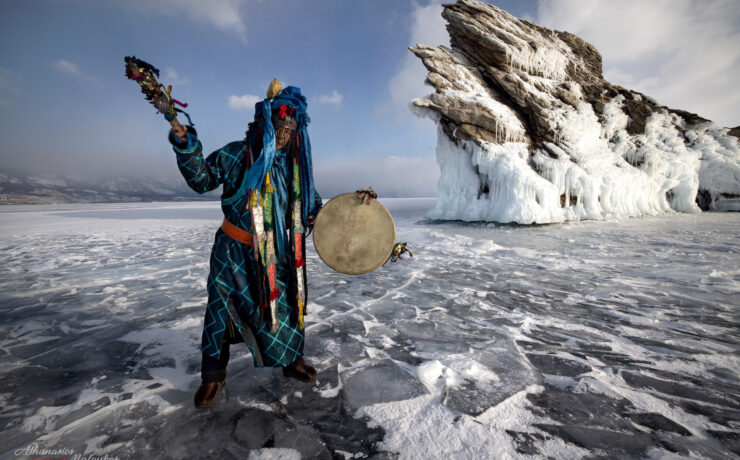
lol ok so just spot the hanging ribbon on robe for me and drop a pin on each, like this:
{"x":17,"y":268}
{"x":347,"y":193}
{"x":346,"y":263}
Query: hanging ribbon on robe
{"x":269,"y":228}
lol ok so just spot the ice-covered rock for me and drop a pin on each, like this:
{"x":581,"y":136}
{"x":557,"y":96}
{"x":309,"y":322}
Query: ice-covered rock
{"x":530,"y":132}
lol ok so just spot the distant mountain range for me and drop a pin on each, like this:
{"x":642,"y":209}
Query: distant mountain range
{"x":20,"y":188}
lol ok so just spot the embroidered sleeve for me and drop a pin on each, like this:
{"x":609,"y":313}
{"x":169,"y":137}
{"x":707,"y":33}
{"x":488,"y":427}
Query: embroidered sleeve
{"x":205,"y":174}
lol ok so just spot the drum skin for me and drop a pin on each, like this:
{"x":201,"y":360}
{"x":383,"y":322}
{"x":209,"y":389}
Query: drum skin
{"x":352,"y":237}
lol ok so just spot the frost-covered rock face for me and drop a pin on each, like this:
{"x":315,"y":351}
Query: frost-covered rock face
{"x":530,"y":132}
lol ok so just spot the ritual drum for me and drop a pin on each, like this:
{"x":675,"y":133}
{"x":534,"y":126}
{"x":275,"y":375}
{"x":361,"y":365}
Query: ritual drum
{"x":354,"y":236}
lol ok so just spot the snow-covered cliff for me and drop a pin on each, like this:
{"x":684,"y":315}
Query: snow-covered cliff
{"x":530,"y":132}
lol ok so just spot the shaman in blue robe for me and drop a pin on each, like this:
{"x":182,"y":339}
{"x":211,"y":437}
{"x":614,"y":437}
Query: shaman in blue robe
{"x":233,"y":281}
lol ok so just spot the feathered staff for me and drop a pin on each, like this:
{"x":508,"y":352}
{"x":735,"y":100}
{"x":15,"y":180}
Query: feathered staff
{"x":146,"y":75}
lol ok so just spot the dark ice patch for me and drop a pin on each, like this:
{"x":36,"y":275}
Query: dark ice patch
{"x":729,"y":418}
{"x":730,"y":439}
{"x":532,"y":346}
{"x":405,"y":354}
{"x":724,"y":373}
{"x":256,"y":429}
{"x":84,"y":411}
{"x":474,"y":397}
{"x":587,"y":409}
{"x":348,"y":324}
{"x":326,"y":344}
{"x":380,"y":383}
{"x":337,"y":427}
{"x":658,"y":422}
{"x":727,"y":388}
{"x":389,"y":309}
{"x":545,"y":337}
{"x":663,"y":345}
{"x":614,"y":359}
{"x":525,"y":442}
{"x":680,"y":390}
{"x":555,"y":365}
{"x":617,"y":444}
{"x":417,"y":329}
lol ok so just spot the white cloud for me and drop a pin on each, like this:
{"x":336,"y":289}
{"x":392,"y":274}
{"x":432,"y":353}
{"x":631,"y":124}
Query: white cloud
{"x":65,"y":66}
{"x":223,"y":15}
{"x":683,"y":53}
{"x":427,"y":28}
{"x":391,"y":176}
{"x":245,"y":102}
{"x":68,"y":67}
{"x":335,"y":98}
{"x":171,"y":77}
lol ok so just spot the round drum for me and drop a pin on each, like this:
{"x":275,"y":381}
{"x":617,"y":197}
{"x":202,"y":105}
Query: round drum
{"x":353,"y":237}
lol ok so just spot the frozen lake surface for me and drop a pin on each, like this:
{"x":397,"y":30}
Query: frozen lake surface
{"x":588,"y":339}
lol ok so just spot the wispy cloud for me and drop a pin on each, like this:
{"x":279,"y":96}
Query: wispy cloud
{"x":171,"y":77}
{"x":70,"y":68}
{"x":245,"y":102}
{"x":223,"y":15}
{"x":64,"y":66}
{"x":428,"y":28}
{"x":335,"y":98}
{"x":683,"y":53}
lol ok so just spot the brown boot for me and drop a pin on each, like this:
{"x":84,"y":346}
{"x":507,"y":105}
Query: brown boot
{"x":206,"y":393}
{"x":300,"y":370}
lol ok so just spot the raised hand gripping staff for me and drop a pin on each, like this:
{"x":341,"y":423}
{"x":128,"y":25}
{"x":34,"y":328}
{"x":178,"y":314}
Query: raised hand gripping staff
{"x":146,"y":75}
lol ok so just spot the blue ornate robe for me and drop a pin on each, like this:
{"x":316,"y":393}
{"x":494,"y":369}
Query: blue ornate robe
{"x":234,"y":274}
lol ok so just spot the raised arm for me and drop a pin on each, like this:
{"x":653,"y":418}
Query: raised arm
{"x":202,"y":174}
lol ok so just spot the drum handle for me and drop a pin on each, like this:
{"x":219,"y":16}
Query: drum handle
{"x":366,"y":194}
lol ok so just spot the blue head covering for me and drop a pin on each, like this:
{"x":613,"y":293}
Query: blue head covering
{"x":292,"y":97}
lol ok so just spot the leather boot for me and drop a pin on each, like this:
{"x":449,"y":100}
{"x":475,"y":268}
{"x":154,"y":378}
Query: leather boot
{"x":206,"y":393}
{"x":300,"y":370}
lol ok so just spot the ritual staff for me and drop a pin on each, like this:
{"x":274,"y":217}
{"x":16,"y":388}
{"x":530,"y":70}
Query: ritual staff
{"x":257,"y":281}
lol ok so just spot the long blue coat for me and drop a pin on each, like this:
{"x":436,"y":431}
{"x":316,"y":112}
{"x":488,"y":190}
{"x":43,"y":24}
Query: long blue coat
{"x":234,"y":275}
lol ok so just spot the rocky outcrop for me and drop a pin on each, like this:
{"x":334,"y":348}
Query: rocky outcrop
{"x":529,"y":130}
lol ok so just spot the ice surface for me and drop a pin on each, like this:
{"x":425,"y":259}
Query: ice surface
{"x":582,"y":339}
{"x":380,"y":383}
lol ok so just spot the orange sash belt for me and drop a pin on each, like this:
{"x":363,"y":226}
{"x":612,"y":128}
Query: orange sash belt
{"x":237,"y":233}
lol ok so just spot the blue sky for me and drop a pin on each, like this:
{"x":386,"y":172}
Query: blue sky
{"x":66,"y":107}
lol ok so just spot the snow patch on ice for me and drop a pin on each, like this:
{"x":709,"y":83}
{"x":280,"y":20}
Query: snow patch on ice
{"x":274,"y":454}
{"x":413,"y":429}
{"x":455,"y":371}
{"x":327,"y":391}
{"x":177,"y":340}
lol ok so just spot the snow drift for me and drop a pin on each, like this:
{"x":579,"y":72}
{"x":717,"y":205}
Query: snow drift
{"x":530,"y":132}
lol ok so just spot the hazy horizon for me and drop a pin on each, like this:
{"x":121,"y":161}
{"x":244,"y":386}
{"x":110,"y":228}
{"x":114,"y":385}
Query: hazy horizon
{"x":66,"y":107}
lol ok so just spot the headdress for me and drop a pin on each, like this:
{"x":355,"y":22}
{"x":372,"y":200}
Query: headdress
{"x":288,"y":102}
